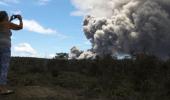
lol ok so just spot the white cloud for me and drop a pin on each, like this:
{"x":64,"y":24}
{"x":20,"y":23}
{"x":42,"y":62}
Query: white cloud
{"x":83,"y":7}
{"x":43,"y":2}
{"x":92,"y":7}
{"x":16,"y":12}
{"x":87,"y":43}
{"x":77,"y":13}
{"x":7,"y":2}
{"x":51,"y":56}
{"x":3,"y":3}
{"x":10,"y":1}
{"x":34,"y":26}
{"x":25,"y":49}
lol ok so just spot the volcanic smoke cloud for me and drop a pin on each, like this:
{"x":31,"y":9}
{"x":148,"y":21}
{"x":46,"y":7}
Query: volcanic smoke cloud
{"x":127,"y":26}
{"x":75,"y":53}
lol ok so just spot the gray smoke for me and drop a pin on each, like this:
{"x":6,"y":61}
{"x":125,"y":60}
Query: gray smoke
{"x":127,"y":26}
{"x":76,"y":53}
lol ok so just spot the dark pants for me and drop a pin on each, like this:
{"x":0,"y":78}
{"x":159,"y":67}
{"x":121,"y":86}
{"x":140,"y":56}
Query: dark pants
{"x":5,"y":55}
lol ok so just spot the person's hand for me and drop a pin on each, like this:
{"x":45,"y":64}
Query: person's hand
{"x":19,"y":17}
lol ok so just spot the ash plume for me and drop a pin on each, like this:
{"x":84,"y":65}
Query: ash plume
{"x":127,"y":26}
{"x":76,"y":53}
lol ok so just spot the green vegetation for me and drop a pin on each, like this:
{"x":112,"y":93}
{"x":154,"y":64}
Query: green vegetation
{"x":143,"y":78}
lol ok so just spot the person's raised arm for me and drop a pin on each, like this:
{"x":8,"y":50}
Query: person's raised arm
{"x":15,"y":26}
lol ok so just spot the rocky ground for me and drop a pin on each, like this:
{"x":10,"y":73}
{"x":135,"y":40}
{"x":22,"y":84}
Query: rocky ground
{"x":45,"y":93}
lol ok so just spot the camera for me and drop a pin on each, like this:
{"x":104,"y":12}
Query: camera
{"x":14,"y":16}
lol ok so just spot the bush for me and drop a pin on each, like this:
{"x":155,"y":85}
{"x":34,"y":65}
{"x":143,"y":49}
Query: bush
{"x":143,"y":78}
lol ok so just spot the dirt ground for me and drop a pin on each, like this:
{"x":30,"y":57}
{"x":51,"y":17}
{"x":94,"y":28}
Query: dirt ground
{"x":45,"y":93}
{"x":40,"y":93}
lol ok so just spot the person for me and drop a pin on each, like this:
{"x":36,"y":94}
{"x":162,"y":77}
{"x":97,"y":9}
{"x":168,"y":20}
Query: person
{"x":6,"y":26}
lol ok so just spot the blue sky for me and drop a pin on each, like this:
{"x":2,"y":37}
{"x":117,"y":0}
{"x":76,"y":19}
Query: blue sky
{"x":49,"y":27}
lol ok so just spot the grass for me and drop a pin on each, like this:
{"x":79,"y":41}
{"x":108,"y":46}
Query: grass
{"x":145,"y":78}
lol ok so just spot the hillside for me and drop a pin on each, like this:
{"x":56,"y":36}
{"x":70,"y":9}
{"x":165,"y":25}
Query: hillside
{"x":145,"y":78}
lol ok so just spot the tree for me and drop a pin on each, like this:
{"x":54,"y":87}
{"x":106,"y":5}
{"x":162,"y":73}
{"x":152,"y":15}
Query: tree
{"x":61,"y":56}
